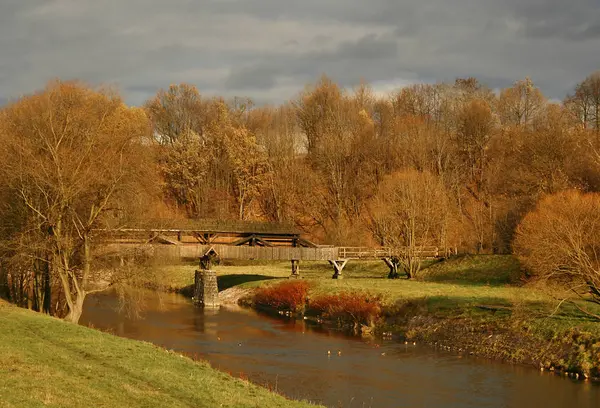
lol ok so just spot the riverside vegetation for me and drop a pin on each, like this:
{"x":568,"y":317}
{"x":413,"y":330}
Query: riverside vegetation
{"x":479,"y":304}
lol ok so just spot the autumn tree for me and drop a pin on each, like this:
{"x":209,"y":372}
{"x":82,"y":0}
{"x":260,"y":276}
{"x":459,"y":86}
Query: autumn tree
{"x":411,"y":210}
{"x":584,"y":103}
{"x":559,"y":242}
{"x":520,"y":104}
{"x":210,"y":161}
{"x":339,"y":130}
{"x":176,"y":111}
{"x":70,"y":155}
{"x":278,"y":135}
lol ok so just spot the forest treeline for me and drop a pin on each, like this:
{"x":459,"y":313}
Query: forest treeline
{"x":335,"y":162}
{"x":455,"y":165}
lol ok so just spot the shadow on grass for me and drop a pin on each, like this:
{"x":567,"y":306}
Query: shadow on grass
{"x":229,"y":281}
{"x":477,"y":270}
{"x":491,"y":307}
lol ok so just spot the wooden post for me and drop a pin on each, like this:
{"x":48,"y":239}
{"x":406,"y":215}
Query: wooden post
{"x":392,"y":263}
{"x":295,"y":268}
{"x":338,"y":266}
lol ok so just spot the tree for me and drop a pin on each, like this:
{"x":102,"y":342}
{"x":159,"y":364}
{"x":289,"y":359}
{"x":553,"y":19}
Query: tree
{"x":247,"y":164}
{"x":475,"y":127}
{"x":340,"y":133}
{"x":410,"y":210}
{"x":278,"y":135}
{"x":71,"y":155}
{"x":520,"y":104}
{"x":177,"y":111}
{"x":559,"y":242}
{"x":585,"y":102}
{"x":317,"y":110}
{"x":185,"y":169}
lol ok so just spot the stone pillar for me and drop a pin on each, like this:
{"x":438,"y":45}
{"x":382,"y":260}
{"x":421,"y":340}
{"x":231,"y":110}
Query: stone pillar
{"x":206,"y":291}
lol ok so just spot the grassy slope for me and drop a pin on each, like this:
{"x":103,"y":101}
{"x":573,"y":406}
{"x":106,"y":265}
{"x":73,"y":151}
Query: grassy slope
{"x":47,"y":362}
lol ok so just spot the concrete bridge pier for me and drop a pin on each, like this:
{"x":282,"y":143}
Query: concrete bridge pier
{"x":206,"y":290}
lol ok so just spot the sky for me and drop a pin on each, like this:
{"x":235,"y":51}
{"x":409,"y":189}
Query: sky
{"x":269,"y":50}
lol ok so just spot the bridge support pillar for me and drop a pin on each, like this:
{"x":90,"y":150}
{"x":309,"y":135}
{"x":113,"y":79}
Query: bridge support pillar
{"x":392,"y":263}
{"x":206,"y":291}
{"x":295,"y":268}
{"x":338,"y":266}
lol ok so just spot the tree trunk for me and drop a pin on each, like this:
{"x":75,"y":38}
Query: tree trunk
{"x":76,"y":309}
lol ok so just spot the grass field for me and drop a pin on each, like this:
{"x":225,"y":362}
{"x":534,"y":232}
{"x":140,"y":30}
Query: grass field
{"x":45,"y":362}
{"x":468,"y":285}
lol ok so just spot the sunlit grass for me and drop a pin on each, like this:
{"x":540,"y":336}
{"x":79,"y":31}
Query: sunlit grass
{"x":47,"y":362}
{"x":478,"y":285}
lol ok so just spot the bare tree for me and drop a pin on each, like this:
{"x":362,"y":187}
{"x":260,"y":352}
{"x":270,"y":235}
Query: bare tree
{"x":520,"y":104}
{"x":411,"y":210}
{"x":176,"y":111}
{"x":70,"y":155}
{"x":585,"y":102}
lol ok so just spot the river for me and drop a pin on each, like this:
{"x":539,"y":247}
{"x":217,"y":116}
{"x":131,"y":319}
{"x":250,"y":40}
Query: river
{"x":326,"y":367}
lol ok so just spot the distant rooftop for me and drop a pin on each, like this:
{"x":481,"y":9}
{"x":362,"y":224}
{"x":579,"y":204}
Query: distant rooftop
{"x":224,"y":226}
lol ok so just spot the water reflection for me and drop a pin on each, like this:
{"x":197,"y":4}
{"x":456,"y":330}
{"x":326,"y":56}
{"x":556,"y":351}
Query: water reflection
{"x":292,"y":357}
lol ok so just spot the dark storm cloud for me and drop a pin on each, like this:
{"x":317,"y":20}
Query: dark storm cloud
{"x":307,"y":66}
{"x":576,"y":20}
{"x":269,"y":49}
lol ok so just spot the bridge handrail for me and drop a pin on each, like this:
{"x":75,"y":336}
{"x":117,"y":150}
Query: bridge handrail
{"x":381,"y":252}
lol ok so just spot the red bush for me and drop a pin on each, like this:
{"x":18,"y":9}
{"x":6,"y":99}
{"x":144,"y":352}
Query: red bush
{"x":360,"y":308}
{"x":289,"y":295}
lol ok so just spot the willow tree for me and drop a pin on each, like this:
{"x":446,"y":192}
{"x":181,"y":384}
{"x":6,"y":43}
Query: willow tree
{"x":70,"y":155}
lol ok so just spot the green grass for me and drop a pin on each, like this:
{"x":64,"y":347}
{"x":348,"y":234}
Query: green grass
{"x":491,"y":270}
{"x":47,"y":362}
{"x":454,"y":287}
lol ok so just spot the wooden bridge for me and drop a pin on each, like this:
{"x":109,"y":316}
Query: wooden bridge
{"x":236,"y":233}
{"x":193,"y":240}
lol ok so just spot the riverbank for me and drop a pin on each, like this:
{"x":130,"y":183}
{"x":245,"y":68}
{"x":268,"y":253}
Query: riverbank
{"x":45,"y":361}
{"x":474,"y":304}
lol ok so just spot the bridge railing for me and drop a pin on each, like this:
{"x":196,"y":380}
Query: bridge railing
{"x":385,"y":252}
{"x":195,"y":251}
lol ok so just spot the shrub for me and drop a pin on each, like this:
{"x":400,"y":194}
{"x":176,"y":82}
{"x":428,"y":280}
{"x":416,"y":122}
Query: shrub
{"x":289,"y":295}
{"x":356,"y":307}
{"x":560,"y":242}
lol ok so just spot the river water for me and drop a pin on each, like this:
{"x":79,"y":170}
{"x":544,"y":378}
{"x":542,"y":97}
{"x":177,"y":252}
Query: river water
{"x":293,"y":358}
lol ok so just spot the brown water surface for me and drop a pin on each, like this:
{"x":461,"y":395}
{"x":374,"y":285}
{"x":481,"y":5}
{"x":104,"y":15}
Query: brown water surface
{"x":293,"y":358}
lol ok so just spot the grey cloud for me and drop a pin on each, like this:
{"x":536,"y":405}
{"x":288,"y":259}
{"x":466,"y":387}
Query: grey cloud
{"x":252,"y":77}
{"x":570,"y":20}
{"x":269,"y":49}
{"x":368,"y":47}
{"x":354,"y":55}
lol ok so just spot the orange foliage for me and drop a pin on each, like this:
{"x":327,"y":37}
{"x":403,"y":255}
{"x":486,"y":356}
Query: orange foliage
{"x":361,"y":308}
{"x":289,"y":295}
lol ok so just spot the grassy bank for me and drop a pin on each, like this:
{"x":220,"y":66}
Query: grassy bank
{"x":47,"y":362}
{"x":473,"y":304}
